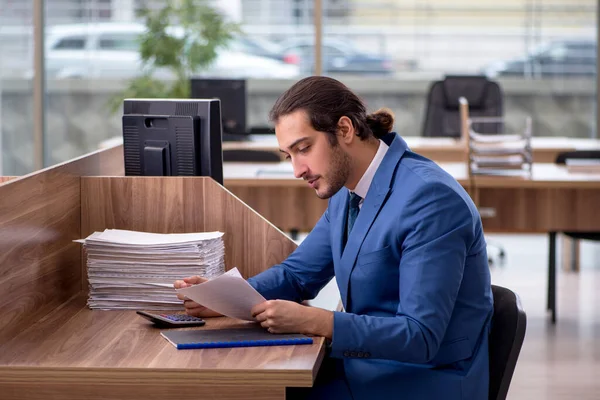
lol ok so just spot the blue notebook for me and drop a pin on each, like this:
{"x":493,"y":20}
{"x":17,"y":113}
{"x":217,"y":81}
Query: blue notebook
{"x":236,"y":337}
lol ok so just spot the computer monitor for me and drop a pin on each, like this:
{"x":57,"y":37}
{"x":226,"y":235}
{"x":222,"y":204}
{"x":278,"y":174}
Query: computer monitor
{"x":232,"y":93}
{"x":173,"y":137}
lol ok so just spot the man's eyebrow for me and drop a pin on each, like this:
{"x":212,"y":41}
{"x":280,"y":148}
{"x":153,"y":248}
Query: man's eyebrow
{"x":295,"y":143}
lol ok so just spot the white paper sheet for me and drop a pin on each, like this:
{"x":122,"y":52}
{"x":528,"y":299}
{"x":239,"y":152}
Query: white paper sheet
{"x":164,"y":285}
{"x":135,"y":238}
{"x":228,"y":294}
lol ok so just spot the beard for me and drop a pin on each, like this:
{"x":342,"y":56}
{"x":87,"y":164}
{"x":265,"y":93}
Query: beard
{"x":337,"y":175}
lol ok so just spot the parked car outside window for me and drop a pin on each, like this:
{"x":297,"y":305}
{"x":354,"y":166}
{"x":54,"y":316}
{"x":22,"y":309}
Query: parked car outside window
{"x":110,"y":50}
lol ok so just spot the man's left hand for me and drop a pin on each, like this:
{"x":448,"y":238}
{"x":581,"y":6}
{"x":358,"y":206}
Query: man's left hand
{"x":281,"y":316}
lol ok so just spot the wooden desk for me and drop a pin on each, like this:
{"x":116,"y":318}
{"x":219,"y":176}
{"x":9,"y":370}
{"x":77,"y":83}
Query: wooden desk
{"x":53,"y":347}
{"x":545,"y":149}
{"x":77,"y":353}
{"x":552,"y":200}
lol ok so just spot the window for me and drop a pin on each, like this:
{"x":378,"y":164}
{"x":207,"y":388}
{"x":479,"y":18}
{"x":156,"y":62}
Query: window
{"x":330,"y":51}
{"x":118,"y":42}
{"x":16,"y":103}
{"x":71,"y":43}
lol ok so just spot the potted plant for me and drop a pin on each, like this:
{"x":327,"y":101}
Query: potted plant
{"x":182,"y":38}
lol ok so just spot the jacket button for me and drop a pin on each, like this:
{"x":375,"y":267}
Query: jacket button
{"x":367,"y":355}
{"x":360,"y":354}
{"x":353,"y":354}
{"x":346,"y":354}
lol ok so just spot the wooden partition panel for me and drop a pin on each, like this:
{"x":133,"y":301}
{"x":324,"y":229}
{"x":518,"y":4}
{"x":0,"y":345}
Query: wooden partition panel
{"x":291,"y":207}
{"x":184,"y":204}
{"x":39,"y":219}
{"x":6,"y":179}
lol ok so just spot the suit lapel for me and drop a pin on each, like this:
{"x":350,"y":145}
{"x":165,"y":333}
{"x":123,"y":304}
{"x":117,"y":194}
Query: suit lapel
{"x":376,"y":197}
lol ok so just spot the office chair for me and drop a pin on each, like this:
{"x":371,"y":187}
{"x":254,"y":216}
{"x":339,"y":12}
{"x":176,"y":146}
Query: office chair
{"x":562,"y":159}
{"x":442,"y":117}
{"x":249,"y":155}
{"x":509,"y":322}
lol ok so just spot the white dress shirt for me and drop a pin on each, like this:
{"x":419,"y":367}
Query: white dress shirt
{"x":363,"y":185}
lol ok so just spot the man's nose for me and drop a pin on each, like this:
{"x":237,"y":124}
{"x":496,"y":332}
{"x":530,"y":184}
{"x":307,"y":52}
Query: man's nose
{"x":300,"y":169}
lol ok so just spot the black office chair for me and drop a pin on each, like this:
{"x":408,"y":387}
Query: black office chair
{"x":442,"y":116}
{"x":506,"y":338}
{"x":249,"y":155}
{"x":562,"y":159}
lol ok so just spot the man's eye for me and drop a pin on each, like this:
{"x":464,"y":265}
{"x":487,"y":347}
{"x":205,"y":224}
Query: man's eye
{"x":304,"y":149}
{"x":287,"y":157}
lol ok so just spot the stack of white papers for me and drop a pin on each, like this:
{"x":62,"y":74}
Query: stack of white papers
{"x":500,"y":155}
{"x":136,"y":270}
{"x":584,"y":165}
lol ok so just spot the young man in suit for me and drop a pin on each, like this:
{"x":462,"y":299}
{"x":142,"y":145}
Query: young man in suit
{"x":405,"y":244}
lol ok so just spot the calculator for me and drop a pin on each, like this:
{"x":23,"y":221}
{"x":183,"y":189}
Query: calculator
{"x":172,"y":320}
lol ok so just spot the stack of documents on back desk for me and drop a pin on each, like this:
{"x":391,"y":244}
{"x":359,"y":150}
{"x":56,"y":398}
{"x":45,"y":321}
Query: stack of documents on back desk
{"x":136,"y":270}
{"x":583,"y":165}
{"x":500,"y":154}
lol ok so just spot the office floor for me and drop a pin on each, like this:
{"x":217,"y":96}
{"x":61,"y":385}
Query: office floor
{"x":556,"y":362}
{"x":562,"y":361}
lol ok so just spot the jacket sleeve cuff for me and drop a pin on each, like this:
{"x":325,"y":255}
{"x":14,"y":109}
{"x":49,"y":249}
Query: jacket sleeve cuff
{"x":342,"y":345}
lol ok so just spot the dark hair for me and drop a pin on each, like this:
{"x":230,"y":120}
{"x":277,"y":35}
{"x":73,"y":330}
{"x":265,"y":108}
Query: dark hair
{"x":325,"y":101}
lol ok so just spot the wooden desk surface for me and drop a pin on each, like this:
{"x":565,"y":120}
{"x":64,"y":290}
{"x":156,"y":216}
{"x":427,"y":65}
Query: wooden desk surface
{"x":553,"y":199}
{"x":545,"y":149}
{"x":75,"y":346}
{"x":543,"y":174}
{"x":282,"y":174}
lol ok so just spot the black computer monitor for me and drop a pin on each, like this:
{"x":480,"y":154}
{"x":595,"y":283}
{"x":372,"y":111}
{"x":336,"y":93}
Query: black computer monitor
{"x":232,"y":93}
{"x":173,"y":137}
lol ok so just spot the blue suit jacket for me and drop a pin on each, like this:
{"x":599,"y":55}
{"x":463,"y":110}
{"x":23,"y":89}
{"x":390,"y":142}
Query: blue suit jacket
{"x":414,"y":282}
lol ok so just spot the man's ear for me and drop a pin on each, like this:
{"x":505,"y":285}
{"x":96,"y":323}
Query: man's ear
{"x":346,"y":129}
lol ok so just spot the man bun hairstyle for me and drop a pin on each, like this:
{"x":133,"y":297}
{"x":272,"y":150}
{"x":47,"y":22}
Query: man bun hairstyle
{"x":325,"y":100}
{"x":381,"y":122}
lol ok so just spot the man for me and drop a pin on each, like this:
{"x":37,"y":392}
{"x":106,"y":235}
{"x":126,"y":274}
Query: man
{"x":405,"y":244}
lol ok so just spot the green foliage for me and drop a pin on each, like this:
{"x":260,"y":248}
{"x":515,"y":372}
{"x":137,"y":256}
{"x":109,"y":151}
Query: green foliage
{"x":183,"y":38}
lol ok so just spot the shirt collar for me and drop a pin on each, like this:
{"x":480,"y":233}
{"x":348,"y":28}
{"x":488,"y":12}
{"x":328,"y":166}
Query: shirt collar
{"x":363,"y":185}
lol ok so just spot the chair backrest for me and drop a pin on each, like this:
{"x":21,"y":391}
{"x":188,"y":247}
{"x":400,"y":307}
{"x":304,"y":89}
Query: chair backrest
{"x":249,"y":155}
{"x":506,"y":338}
{"x":442,"y":118}
{"x":580,"y":154}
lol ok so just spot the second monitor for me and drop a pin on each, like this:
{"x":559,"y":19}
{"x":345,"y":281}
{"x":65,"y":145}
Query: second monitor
{"x":232,"y":93}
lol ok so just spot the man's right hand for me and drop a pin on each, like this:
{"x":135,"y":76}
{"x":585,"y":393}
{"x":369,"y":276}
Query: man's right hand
{"x":191,"y":307}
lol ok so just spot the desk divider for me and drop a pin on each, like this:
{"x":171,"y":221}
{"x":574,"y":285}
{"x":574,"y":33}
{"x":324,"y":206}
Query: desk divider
{"x":6,"y":179}
{"x":292,"y":207}
{"x":39,"y":219}
{"x":183,"y":204}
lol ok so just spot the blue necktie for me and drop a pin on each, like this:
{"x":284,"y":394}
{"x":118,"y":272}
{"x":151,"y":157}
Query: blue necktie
{"x":353,"y":202}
